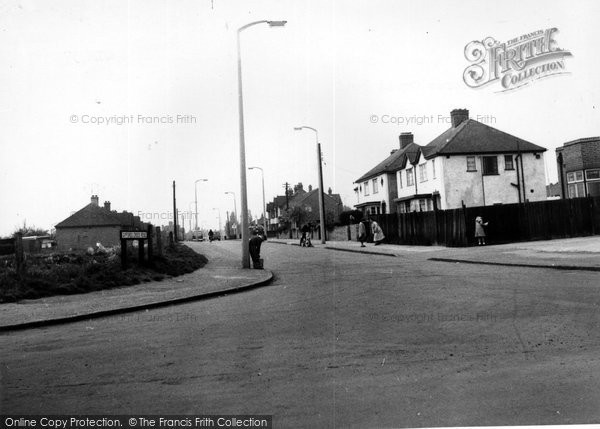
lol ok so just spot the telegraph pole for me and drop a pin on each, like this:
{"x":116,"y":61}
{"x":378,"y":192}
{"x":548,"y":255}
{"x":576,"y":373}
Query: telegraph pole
{"x":175,"y":214}
{"x":286,"y":185}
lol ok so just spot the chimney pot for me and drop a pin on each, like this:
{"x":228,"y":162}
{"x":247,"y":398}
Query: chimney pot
{"x":406,"y":139}
{"x":107,"y":205}
{"x":458,"y":116}
{"x":94,"y":200}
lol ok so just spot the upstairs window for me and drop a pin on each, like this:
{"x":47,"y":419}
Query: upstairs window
{"x":471,"y":166}
{"x":490,"y":165}
{"x":508,"y":162}
{"x":366,"y":186}
{"x":410,"y":177}
{"x":375,"y":186}
{"x":433,"y":167}
{"x":423,"y":173}
{"x":400,"y":179}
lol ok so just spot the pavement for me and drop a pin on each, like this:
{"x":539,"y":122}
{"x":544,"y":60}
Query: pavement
{"x":581,"y":253}
{"x":218,"y":277}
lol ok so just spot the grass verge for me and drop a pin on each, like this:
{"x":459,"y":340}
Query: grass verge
{"x":65,"y":274}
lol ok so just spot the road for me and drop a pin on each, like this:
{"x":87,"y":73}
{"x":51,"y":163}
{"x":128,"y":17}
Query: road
{"x":337,"y":340}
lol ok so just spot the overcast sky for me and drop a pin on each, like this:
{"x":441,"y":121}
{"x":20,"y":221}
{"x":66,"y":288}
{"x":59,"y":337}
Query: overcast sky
{"x":334,"y":67}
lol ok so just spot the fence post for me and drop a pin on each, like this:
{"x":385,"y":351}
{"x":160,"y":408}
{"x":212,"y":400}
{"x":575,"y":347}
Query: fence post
{"x":19,"y":254}
{"x":464,"y":239}
{"x":591,"y":206}
{"x":123,"y":254}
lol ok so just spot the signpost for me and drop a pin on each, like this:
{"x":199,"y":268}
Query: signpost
{"x":141,"y":237}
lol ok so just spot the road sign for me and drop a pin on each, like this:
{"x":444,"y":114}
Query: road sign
{"x":134,"y":235}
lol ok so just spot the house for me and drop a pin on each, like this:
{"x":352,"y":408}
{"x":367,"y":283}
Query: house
{"x":377,"y":189}
{"x":308,"y":201}
{"x":470,"y":163}
{"x":94,"y":224}
{"x":578,"y":164}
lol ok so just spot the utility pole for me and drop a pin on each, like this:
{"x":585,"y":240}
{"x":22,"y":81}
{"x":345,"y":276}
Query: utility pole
{"x":286,"y":185}
{"x":174,"y":214}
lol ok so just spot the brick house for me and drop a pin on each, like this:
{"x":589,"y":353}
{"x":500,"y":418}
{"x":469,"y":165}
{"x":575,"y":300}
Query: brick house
{"x":94,"y":224}
{"x":578,"y":163}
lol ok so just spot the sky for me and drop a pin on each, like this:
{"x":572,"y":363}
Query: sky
{"x":121,"y":98}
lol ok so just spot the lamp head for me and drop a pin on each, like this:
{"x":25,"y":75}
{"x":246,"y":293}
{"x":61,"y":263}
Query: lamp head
{"x":297,"y":128}
{"x":276,"y":23}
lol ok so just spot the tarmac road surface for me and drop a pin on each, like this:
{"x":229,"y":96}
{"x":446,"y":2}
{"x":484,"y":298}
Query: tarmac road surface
{"x":338,"y":339}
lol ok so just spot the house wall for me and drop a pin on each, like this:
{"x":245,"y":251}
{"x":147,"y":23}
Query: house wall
{"x":462,"y":185}
{"x":82,"y":238}
{"x":383,"y":191}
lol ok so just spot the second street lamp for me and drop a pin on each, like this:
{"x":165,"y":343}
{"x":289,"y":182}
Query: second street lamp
{"x":262,"y":174}
{"x":234,"y":211}
{"x":320,"y":168}
{"x":243,"y":192}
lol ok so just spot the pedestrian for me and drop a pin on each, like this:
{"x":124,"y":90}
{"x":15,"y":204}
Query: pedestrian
{"x":378,"y":236}
{"x":211,"y":235}
{"x":362,"y":233}
{"x":255,"y":242}
{"x":305,"y":230}
{"x":480,"y":231}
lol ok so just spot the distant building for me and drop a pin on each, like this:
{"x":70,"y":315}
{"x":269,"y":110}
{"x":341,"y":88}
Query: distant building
{"x":578,"y":163}
{"x":94,"y":224}
{"x":553,"y":190}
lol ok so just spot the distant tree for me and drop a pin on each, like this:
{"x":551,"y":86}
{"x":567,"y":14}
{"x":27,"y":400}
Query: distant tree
{"x":299,"y":215}
{"x":30,"y":231}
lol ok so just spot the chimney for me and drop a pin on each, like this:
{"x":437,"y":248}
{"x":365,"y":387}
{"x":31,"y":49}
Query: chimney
{"x":329,"y":191}
{"x":107,"y":205}
{"x":95,"y":200}
{"x":393,"y":151}
{"x":309,"y":188}
{"x":406,"y":139}
{"x":458,"y":116}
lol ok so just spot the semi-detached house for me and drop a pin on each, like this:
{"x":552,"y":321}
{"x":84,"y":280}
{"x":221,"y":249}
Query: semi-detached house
{"x":470,"y":163}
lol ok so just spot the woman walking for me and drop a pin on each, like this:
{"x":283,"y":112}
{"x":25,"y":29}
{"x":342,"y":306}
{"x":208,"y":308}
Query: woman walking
{"x":378,"y":236}
{"x":362,"y":233}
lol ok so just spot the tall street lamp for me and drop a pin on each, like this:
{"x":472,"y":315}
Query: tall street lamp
{"x":243,"y":193}
{"x":234,"y":211}
{"x":196,"y":198}
{"x":320,"y":168}
{"x":262,"y":174}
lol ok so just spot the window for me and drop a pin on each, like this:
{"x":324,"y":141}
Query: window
{"x":410,"y":177}
{"x":375,"y":186}
{"x":366,"y":186}
{"x":433,"y":167}
{"x":490,"y":165}
{"x":592,"y":174}
{"x":423,"y":173}
{"x":508,"y":162}
{"x":400,"y":179}
{"x":471,"y":163}
{"x":576,"y":190}
{"x":422,"y":205}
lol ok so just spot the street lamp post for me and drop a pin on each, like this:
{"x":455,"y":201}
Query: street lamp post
{"x":196,"y":198}
{"x":262,"y":174}
{"x":234,"y":211}
{"x":320,"y":168}
{"x":243,"y":193}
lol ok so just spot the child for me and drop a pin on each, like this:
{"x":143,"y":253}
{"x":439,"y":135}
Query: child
{"x":479,"y":231}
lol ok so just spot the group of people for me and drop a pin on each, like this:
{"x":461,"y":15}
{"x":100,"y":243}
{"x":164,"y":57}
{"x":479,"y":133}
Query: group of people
{"x":376,"y":231}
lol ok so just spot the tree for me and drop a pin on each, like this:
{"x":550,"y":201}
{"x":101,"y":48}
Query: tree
{"x":299,"y":215}
{"x":30,"y":231}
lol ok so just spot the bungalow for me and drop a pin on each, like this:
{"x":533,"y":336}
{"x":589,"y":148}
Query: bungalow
{"x":473,"y":164}
{"x":94,"y":224}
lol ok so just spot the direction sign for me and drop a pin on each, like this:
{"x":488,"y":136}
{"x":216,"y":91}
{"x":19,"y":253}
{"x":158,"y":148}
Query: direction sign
{"x":134,"y":235}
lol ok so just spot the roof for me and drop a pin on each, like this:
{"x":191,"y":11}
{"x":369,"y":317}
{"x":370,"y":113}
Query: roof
{"x":297,"y":199}
{"x":582,"y":140}
{"x":394,"y":162}
{"x":93,"y":215}
{"x":474,"y":137}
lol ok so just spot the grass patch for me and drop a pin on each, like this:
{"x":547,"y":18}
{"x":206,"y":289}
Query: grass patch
{"x":66,"y":274}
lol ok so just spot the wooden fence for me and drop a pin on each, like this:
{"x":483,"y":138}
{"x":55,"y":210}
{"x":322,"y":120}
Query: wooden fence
{"x":541,"y":220}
